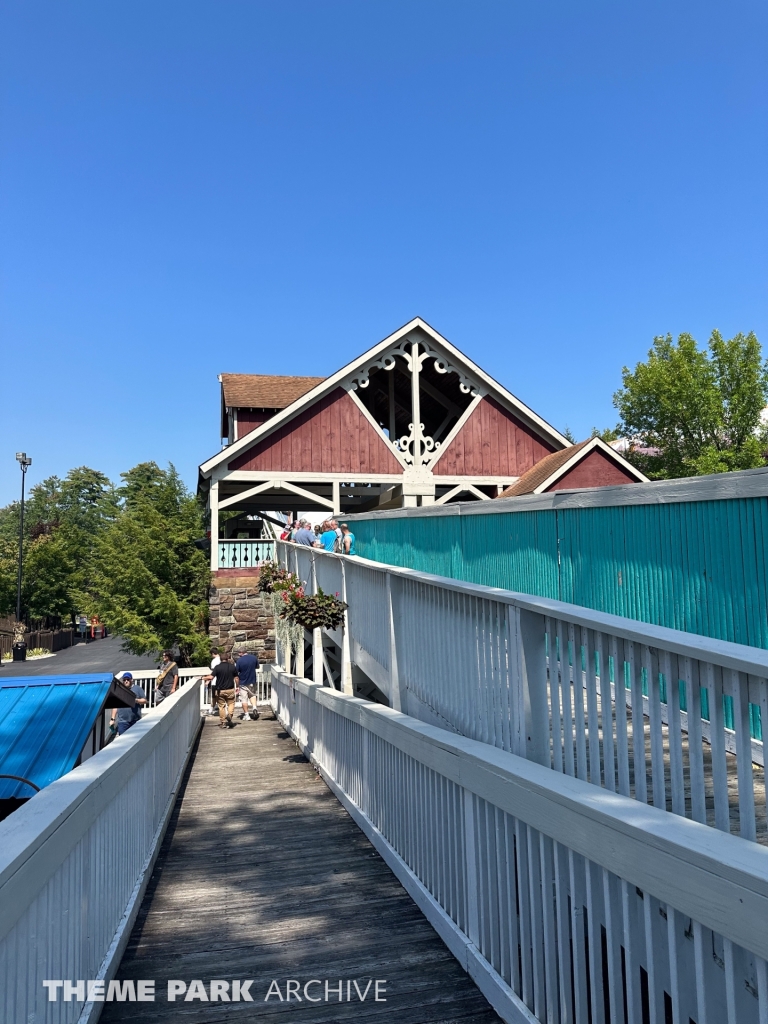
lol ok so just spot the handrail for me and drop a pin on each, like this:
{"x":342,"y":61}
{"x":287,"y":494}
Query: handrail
{"x":114,"y":807}
{"x":585,"y":693}
{"x":520,"y":869}
{"x":725,"y":653}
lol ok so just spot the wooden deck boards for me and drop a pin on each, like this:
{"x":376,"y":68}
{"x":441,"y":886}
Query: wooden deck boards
{"x":263,"y":875}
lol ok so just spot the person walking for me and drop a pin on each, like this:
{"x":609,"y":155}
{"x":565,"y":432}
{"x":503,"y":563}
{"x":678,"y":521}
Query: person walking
{"x":168,"y":680}
{"x":123,"y":718}
{"x":246,"y":666}
{"x":215,"y":660}
{"x":225,"y":676}
{"x":347,"y":540}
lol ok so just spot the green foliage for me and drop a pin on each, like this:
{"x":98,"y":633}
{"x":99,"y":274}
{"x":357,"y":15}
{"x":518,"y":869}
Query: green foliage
{"x":314,"y":611}
{"x":607,"y":435}
{"x":149,"y":580}
{"x":273,"y":576}
{"x":125,"y":554}
{"x":568,"y":434}
{"x":700,"y":409}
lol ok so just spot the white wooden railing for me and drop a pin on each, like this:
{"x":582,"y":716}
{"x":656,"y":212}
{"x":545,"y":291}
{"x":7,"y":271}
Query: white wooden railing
{"x":76,"y":858}
{"x":540,"y":678}
{"x":566,"y":903}
{"x":244,"y":554}
{"x":146,"y":680}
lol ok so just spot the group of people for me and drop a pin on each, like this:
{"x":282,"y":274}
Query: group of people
{"x":328,"y":535}
{"x":227,"y":677}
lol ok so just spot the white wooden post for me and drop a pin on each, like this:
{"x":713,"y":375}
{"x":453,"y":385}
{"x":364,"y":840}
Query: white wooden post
{"x":317,"y":634}
{"x":533,"y":665}
{"x":398,"y":694}
{"x":300,"y":657}
{"x":213,"y":500}
{"x":346,"y":657}
{"x":336,"y":497}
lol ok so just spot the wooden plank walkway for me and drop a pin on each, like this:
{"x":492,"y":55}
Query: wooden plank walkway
{"x":263,"y":875}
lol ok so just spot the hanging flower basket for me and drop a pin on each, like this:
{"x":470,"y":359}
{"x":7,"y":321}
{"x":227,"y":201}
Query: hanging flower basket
{"x":274,"y":577}
{"x":313,"y":611}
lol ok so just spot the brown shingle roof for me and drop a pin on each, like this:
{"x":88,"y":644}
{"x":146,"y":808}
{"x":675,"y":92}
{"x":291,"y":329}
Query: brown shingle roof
{"x":544,"y":469}
{"x":262,"y":391}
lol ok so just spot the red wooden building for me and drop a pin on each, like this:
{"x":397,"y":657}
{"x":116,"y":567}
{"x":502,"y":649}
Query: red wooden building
{"x":412,"y":421}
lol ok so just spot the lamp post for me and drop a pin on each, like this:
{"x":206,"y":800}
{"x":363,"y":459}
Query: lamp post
{"x":24,"y":464}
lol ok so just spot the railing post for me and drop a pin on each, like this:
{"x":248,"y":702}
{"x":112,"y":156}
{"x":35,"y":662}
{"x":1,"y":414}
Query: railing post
{"x":317,"y":635}
{"x":346,"y":658}
{"x":529,"y":685}
{"x":398,"y":695}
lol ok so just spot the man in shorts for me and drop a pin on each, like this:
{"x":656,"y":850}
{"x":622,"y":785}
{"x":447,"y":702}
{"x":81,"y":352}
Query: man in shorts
{"x":246,"y":666}
{"x":224,"y":678}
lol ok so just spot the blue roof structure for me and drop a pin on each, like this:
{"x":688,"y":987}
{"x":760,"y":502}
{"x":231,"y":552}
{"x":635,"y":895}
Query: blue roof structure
{"x":44,"y":723}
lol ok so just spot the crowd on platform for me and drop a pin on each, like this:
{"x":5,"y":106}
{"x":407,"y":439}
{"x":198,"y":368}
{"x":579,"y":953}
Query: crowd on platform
{"x":327,"y":535}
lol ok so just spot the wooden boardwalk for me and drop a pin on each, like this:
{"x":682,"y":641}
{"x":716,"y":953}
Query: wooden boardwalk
{"x":264,"y":876}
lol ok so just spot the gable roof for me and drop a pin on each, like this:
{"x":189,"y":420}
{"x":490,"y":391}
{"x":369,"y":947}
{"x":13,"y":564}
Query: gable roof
{"x":549,"y":469}
{"x":264,"y":391}
{"x":330,"y":383}
{"x":44,"y":723}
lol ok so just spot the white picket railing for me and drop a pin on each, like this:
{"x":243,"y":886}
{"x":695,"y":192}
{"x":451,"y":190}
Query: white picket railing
{"x":566,"y":903}
{"x":146,"y":680}
{"x":75,"y":860}
{"x":540,"y":678}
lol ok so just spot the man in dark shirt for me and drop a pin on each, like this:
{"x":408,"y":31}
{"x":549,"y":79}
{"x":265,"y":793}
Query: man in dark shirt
{"x":225,"y":676}
{"x":246,"y":666}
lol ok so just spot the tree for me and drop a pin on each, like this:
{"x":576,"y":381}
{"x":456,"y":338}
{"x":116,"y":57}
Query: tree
{"x":700,"y":410}
{"x":149,"y":579}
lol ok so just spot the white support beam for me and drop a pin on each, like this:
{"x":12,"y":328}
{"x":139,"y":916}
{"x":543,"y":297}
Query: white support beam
{"x":275,"y":485}
{"x":213,"y":501}
{"x":235,"y":499}
{"x":462,"y":489}
{"x":302,"y":493}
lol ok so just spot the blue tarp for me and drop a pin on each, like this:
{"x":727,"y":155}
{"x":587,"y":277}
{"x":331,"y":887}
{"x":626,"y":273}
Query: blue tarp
{"x":44,"y":723}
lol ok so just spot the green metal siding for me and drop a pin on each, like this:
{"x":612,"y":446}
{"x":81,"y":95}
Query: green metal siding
{"x":695,"y":566}
{"x":701,"y":567}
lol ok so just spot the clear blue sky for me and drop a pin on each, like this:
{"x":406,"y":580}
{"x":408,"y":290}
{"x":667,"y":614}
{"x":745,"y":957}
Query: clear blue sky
{"x":188,"y":188}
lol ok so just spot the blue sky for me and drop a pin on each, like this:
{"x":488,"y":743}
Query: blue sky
{"x":188,"y":188}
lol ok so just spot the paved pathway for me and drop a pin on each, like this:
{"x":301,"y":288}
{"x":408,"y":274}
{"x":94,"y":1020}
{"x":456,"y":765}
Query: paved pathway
{"x":98,"y":656}
{"x":264,"y":876}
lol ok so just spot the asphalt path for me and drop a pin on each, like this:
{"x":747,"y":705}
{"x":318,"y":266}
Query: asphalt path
{"x":97,"y":656}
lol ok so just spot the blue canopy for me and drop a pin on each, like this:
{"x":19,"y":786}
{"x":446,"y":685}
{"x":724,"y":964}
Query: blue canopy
{"x":44,"y":723}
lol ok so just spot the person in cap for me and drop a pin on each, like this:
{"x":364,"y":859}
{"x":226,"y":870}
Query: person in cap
{"x":246,"y":666}
{"x":123,"y":718}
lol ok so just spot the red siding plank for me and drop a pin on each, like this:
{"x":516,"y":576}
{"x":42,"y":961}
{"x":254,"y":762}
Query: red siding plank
{"x":492,"y":442}
{"x":595,"y":470}
{"x":332,"y":436}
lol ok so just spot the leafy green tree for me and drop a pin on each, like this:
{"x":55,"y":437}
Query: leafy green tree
{"x":699,"y":408}
{"x":149,"y":579}
{"x":48,"y":573}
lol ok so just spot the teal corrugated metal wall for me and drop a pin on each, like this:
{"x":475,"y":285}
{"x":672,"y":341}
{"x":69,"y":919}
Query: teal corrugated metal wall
{"x":695,"y":566}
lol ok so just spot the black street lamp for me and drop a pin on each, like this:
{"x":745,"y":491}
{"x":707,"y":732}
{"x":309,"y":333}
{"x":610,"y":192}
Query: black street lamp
{"x":24,"y":463}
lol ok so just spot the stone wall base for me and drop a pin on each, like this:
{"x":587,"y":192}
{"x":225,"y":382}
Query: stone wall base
{"x":240,"y":617}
